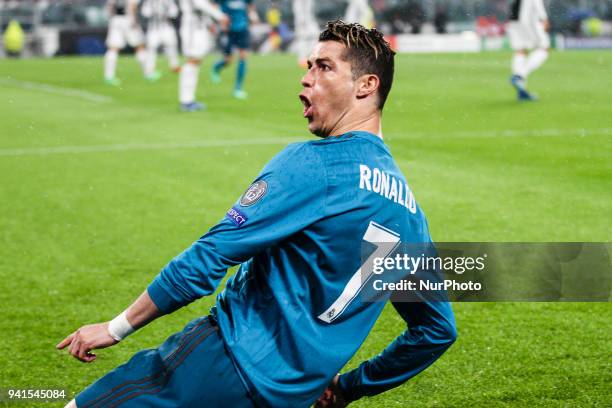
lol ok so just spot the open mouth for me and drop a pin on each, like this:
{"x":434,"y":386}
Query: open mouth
{"x":307,"y":106}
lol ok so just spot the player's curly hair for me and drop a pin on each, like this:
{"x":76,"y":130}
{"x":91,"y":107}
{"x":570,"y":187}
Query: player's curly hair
{"x":367,"y":51}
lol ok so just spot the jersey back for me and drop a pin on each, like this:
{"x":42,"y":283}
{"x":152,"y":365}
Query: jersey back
{"x":295,"y":306}
{"x":238,"y":12}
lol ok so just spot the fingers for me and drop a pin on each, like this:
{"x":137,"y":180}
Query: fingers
{"x":84,"y":353}
{"x":331,"y":397}
{"x":73,"y":346}
{"x":90,"y":357}
{"x":65,"y":342}
{"x":321,"y":404}
{"x":77,"y":348}
{"x":81,"y":352}
{"x":325,"y":400}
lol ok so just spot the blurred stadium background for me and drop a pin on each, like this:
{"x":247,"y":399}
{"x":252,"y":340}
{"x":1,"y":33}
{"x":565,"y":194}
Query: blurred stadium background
{"x":63,"y":27}
{"x":100,"y":186}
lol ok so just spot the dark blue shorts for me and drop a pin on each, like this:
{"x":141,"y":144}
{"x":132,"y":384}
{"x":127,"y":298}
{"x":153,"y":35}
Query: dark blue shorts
{"x":190,"y":369}
{"x":237,"y":39}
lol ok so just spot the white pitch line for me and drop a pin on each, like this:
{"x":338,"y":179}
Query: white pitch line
{"x":197,"y":144}
{"x":57,"y":90}
{"x":537,"y":132}
{"x":506,"y":133}
{"x":203,"y":144}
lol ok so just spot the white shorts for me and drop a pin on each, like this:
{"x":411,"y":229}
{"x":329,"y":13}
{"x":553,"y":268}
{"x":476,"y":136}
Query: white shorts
{"x":527,"y":36}
{"x":162,"y":34}
{"x":196,"y":40}
{"x":122,"y":32}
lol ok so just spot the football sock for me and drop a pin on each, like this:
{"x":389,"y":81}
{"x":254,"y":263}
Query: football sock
{"x":141,"y":57}
{"x":151,"y":56}
{"x":240,"y":73}
{"x":173,"y":59}
{"x":110,"y":64}
{"x":536,"y":59}
{"x":188,"y":82}
{"x":219,"y":65}
{"x":519,"y":65}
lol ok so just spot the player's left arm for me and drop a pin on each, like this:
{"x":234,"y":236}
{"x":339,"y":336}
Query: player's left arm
{"x":213,"y":10}
{"x":431,"y":331}
{"x":253,"y":16}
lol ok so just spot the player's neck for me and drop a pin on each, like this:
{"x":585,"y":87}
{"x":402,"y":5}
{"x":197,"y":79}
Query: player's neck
{"x":366,"y":123}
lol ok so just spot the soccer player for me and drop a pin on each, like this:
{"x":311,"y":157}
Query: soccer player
{"x":359,"y":11}
{"x":160,"y":31}
{"x":197,"y":40}
{"x":240,"y":13}
{"x":291,"y":317}
{"x":306,"y":29}
{"x":123,"y":29}
{"x":527,"y":31}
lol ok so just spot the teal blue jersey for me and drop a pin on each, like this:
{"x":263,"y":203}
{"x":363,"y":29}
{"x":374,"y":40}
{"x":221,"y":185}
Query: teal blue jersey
{"x":291,"y":316}
{"x":238,"y":12}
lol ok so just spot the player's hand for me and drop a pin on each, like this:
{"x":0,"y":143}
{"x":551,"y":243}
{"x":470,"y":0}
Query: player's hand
{"x":546,"y":25}
{"x":224,"y":23}
{"x":332,"y":396}
{"x":86,"y":339}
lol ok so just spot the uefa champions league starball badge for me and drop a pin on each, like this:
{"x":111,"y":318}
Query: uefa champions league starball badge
{"x":254,"y":193}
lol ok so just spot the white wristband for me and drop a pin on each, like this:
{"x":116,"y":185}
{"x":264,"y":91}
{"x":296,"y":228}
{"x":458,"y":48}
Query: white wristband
{"x":119,"y":328}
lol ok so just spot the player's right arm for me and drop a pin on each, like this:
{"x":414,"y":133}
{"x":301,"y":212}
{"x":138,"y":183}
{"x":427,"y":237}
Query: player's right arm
{"x":293,"y":197}
{"x":214,"y":11}
{"x":102,"y":335}
{"x":208,"y":8}
{"x":288,"y":195}
{"x":252,"y":14}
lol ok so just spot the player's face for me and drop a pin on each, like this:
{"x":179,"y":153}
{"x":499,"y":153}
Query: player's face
{"x":329,"y":89}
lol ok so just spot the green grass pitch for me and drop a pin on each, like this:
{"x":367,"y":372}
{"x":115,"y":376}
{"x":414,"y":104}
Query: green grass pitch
{"x":101,"y":186}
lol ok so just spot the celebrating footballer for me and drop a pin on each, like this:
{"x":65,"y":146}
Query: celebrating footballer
{"x":290,"y":318}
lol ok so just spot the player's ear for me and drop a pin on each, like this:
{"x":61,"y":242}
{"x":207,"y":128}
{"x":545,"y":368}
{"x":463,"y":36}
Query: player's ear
{"x":367,"y":85}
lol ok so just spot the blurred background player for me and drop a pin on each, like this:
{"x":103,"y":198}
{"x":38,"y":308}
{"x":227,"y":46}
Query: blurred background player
{"x":123,"y":29}
{"x":13,"y":39}
{"x":527,"y":30}
{"x":306,"y":29}
{"x":274,"y":19}
{"x":359,"y":11}
{"x":197,"y":40}
{"x":160,"y":32}
{"x":240,"y":13}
